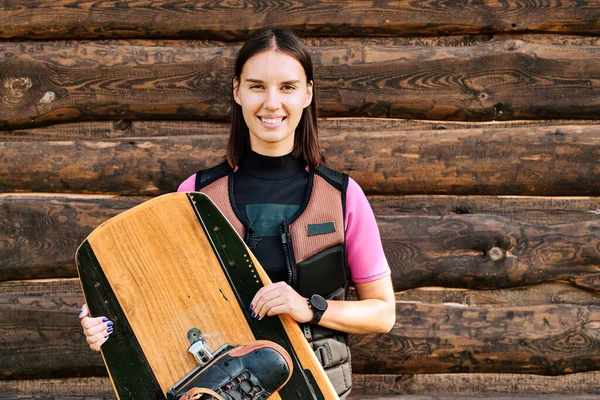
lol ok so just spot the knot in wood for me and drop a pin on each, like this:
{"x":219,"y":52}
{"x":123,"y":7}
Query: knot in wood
{"x":496,"y":253}
{"x":15,"y":90}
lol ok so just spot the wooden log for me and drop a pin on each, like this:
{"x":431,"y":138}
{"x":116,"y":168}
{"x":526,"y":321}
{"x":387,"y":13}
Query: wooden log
{"x":226,"y":21}
{"x":40,"y":233}
{"x":489,"y":252}
{"x":380,"y":155}
{"x":51,"y":82}
{"x":86,"y":387}
{"x":545,"y":339}
{"x":529,"y":210}
{"x":462,"y":397}
{"x":351,"y":397}
{"x":572,"y":386}
{"x":534,"y":295}
{"x":40,"y":335}
{"x":328,"y":127}
{"x":433,"y":338}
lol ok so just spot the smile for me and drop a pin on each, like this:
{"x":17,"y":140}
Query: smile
{"x":271,"y":121}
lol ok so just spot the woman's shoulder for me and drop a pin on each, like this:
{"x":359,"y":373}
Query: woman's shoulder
{"x":189,"y":185}
{"x":205,"y":176}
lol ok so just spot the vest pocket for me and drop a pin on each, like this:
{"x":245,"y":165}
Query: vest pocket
{"x":322,"y":273}
{"x":331,"y":351}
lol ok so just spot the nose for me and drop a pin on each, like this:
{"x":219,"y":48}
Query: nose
{"x":272,"y":101}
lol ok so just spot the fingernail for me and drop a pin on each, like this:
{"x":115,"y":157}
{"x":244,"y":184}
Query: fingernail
{"x":105,"y":337}
{"x":80,"y":312}
{"x":109,"y":330}
{"x":251,"y":307}
{"x":104,"y":319}
{"x":252,"y":314}
{"x":110,"y":323}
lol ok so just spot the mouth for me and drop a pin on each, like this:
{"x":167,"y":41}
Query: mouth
{"x":272,"y":121}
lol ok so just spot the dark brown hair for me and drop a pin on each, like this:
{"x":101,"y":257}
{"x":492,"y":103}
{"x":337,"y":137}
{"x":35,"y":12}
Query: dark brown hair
{"x":306,"y":138}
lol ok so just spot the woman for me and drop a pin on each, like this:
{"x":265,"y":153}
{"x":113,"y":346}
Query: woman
{"x":311,"y":228}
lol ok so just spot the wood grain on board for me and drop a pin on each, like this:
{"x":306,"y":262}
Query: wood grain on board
{"x":161,"y":304}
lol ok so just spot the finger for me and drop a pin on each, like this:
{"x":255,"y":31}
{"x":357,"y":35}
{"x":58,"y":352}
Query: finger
{"x":96,"y":346}
{"x":269,"y":305}
{"x":89,"y":322}
{"x":270,"y":288}
{"x":98,"y":337}
{"x":281,"y":309}
{"x":263,"y":300}
{"x":84,"y":311}
{"x":98,"y":328}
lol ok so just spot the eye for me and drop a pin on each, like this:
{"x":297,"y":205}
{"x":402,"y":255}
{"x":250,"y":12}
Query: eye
{"x":288,"y":87}
{"x":257,"y":87}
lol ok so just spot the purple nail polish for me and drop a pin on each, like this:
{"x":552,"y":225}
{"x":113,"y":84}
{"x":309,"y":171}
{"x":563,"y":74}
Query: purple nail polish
{"x":80,"y":312}
{"x":104,"y":319}
{"x":109,"y":330}
{"x":251,"y":307}
{"x":110,"y":323}
{"x":252,"y":314}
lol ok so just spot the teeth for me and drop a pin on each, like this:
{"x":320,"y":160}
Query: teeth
{"x":272,"y":120}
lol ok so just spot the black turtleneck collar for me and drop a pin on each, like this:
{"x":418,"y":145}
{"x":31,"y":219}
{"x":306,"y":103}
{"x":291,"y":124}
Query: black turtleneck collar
{"x":266,"y":167}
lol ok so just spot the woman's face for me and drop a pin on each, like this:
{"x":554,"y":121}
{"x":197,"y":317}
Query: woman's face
{"x":273,"y":93}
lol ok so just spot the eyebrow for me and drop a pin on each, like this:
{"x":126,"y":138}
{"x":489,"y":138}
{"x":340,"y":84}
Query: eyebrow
{"x":294,"y":82}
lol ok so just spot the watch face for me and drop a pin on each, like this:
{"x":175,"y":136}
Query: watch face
{"x":318,"y":302}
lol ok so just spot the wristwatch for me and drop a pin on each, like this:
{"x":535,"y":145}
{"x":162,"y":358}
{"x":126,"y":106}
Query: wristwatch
{"x":318,"y":304}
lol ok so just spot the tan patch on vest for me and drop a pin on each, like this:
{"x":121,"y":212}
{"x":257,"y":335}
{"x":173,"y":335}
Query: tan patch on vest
{"x":325,"y":205}
{"x":218,"y":192}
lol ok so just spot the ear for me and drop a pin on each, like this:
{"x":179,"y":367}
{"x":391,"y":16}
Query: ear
{"x":236,"y":90}
{"x":309,"y":94}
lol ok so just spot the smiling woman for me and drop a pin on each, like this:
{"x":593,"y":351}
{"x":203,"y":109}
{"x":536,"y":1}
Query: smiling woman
{"x":311,"y":228}
{"x":273,"y":92}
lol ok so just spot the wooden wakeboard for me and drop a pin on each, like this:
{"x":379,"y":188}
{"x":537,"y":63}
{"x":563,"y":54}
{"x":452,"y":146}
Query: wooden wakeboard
{"x":170,"y":265}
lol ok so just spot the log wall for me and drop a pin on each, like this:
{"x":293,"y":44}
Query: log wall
{"x":473,"y":127}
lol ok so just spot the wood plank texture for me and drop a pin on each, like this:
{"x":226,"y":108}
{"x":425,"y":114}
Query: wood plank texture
{"x":40,"y":233}
{"x":121,"y":128}
{"x":381,"y":155}
{"x":447,"y":338}
{"x":455,"y":78}
{"x":489,"y":252}
{"x":475,"y":384}
{"x":553,"y":338}
{"x":213,"y":20}
{"x":40,"y":335}
{"x":351,"y":397}
{"x":567,"y":387}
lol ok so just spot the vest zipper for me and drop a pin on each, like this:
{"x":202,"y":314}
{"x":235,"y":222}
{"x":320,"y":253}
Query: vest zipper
{"x":249,"y":233}
{"x":288,"y":253}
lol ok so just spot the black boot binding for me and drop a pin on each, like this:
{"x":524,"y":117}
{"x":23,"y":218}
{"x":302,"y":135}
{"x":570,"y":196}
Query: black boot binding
{"x":252,"y":371}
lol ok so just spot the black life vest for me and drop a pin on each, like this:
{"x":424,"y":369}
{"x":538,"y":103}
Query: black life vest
{"x":314,"y":245}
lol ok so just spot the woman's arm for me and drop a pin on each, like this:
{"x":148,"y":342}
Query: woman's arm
{"x":374,"y":312}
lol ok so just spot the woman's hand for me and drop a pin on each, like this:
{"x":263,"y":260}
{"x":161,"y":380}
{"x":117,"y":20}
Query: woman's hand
{"x":280,"y":298}
{"x":96,"y":330}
